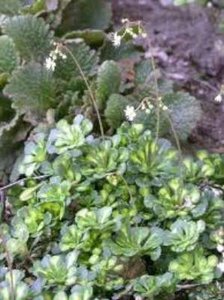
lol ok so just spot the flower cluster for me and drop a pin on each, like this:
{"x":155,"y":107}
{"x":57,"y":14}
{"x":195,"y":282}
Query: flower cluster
{"x":131,"y":29}
{"x":50,"y":62}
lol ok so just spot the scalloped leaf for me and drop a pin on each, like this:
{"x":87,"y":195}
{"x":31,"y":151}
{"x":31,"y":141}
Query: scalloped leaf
{"x":31,"y":88}
{"x":185,"y":112}
{"x":85,"y":14}
{"x":31,"y":36}
{"x":9,"y":58}
{"x":114,"y":112}
{"x":108,"y":82}
{"x":10,"y":7}
{"x":83,"y":55}
{"x":125,"y":50}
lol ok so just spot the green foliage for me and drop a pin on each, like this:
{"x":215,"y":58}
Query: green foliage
{"x":138,"y":241}
{"x":8,"y":57}
{"x":114,"y":112}
{"x":31,"y":88}
{"x":84,"y":14}
{"x":185,"y":112}
{"x":97,"y":205}
{"x":149,"y":286}
{"x":184,"y":235}
{"x":86,"y":59}
{"x":194,"y":266}
{"x":108,"y":82}
{"x":98,"y":217}
{"x":31,"y":36}
{"x":10,"y":7}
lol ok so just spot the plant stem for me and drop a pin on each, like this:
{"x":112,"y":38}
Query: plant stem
{"x":88,"y":88}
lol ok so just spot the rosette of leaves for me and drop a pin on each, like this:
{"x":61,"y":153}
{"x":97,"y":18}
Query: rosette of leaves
{"x":9,"y":58}
{"x":84,"y":14}
{"x":147,"y":157}
{"x":35,"y":153}
{"x":150,"y":286}
{"x":31,"y":36}
{"x":104,"y":159}
{"x":175,"y":199}
{"x":91,"y":228}
{"x":184,"y":235}
{"x":132,"y":241}
{"x":31,"y":88}
{"x":13,"y":281}
{"x":58,"y":270}
{"x":34,"y":219}
{"x":194,"y":266}
{"x":108,"y":82}
{"x":54,"y":196}
{"x":67,"y":137}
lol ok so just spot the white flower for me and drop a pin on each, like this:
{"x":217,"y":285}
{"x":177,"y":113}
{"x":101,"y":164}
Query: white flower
{"x":220,"y":248}
{"x":220,"y":266}
{"x":218,"y":98}
{"x":130,"y":113}
{"x":116,"y":40}
{"x":50,"y":63}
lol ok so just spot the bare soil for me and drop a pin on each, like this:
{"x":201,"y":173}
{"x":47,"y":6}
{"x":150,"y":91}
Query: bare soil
{"x":188,"y":46}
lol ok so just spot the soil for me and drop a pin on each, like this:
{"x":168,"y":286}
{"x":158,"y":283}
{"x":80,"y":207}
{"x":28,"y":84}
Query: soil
{"x":188,"y":46}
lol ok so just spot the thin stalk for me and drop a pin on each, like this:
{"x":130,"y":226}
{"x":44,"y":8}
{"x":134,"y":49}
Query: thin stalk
{"x":88,"y":88}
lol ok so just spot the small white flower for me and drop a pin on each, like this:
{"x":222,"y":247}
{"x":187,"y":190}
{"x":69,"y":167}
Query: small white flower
{"x":116,"y":40}
{"x":220,"y":248}
{"x":130,"y":113}
{"x":220,"y":266}
{"x":218,"y":98}
{"x":144,"y":35}
{"x":50,"y":63}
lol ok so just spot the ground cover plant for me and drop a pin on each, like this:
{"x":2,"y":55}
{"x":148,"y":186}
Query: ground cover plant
{"x":97,"y":199}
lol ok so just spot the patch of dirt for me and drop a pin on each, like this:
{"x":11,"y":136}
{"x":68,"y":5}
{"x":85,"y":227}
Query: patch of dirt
{"x":188,"y":47}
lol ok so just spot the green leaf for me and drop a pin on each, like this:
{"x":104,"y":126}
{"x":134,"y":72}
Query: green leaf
{"x":149,"y":286}
{"x":93,"y":38}
{"x":9,"y":59}
{"x":31,"y":36}
{"x":108,"y":82}
{"x":184,"y":235}
{"x":137,"y":241}
{"x":10,"y":7}
{"x":185,"y":112}
{"x":114,"y":112}
{"x":31,"y":88}
{"x":84,"y":14}
{"x":68,"y":137}
{"x":81,"y":293}
{"x":58,"y":269}
{"x":72,"y":238}
{"x":194,"y":266}
{"x":80,"y":60}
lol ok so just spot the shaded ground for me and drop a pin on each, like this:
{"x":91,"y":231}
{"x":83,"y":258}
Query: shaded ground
{"x":189,"y":47}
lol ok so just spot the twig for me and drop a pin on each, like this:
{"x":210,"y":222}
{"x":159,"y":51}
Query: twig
{"x":21,"y":181}
{"x":188,"y":286}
